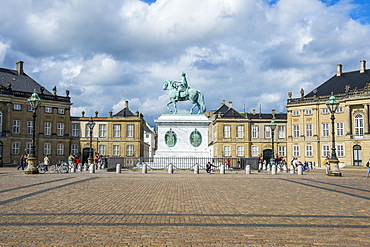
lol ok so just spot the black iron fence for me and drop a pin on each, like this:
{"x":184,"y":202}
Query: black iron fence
{"x":180,"y":163}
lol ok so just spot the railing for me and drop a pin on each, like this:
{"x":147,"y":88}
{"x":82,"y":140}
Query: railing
{"x":180,"y":163}
{"x":27,"y":95}
{"x":322,"y":99}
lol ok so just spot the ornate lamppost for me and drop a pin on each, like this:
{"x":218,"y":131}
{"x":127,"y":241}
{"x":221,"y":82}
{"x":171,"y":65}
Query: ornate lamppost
{"x":35,"y":102}
{"x":272,"y":126}
{"x":90,"y":125}
{"x":332,"y":105}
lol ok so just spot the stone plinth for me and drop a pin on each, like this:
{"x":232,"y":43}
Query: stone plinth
{"x":182,"y":135}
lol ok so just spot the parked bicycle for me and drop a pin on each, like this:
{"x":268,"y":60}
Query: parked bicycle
{"x":41,"y":167}
{"x":61,"y":168}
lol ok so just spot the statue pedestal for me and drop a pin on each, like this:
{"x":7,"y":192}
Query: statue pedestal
{"x":182,"y":135}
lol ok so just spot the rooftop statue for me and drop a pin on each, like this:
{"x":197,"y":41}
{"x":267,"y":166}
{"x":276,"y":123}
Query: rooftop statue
{"x":180,"y":91}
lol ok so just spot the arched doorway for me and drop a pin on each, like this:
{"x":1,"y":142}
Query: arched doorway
{"x":357,"y":155}
{"x":267,"y":155}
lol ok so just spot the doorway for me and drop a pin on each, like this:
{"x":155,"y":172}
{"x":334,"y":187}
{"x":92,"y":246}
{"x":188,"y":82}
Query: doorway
{"x":85,"y":154}
{"x":357,"y":155}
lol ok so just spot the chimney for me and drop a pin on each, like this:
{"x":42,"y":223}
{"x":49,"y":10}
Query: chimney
{"x":339,"y":69}
{"x":273,"y":112}
{"x":96,"y":114}
{"x":230,"y":104}
{"x":223,"y":102}
{"x":126,"y":104}
{"x":110,"y":114}
{"x":254,"y":111}
{"x":19,"y":66}
{"x":362,"y":66}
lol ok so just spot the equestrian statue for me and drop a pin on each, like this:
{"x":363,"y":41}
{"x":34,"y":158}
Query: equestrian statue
{"x":180,"y":91}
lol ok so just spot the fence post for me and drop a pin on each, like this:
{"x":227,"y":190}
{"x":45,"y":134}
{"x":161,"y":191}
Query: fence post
{"x":73,"y":168}
{"x":144,"y":168}
{"x":300,"y":170}
{"x":170,"y":168}
{"x":273,"y":169}
{"x":118,"y":168}
{"x":86,"y":167}
{"x":292,"y":170}
{"x":222,"y":169}
{"x":79,"y":167}
{"x":248,"y":169}
{"x":196,"y":169}
{"x":92,"y":168}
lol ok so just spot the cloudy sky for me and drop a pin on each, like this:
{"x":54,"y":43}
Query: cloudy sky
{"x":251,"y":52}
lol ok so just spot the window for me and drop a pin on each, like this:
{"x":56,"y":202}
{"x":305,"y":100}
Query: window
{"x":281,"y":132}
{"x":17,"y":107}
{"x":16,"y":126}
{"x":309,"y":152}
{"x":60,"y":111}
{"x":29,"y":127}
{"x":309,"y":130}
{"x":102,"y":150}
{"x":325,"y":129}
{"x":29,"y":108}
{"x":227,"y":130}
{"x":255,"y":151}
{"x":340,"y":150}
{"x":60,"y":149}
{"x":359,"y":125}
{"x":47,"y":148}
{"x":296,"y":131}
{"x":47,"y":128}
{"x":48,"y":110}
{"x":340,"y":129}
{"x":130,"y":150}
{"x":87,"y":131}
{"x":15,"y":148}
{"x":102,"y":130}
{"x":28,"y":147}
{"x":308,"y":112}
{"x":267,"y":132}
{"x":74,"y":149}
{"x":116,"y":150}
{"x":296,"y":152}
{"x":227,"y":151}
{"x":60,"y":129}
{"x":75,"y":130}
{"x":339,"y":109}
{"x":240,"y":151}
{"x":295,"y":113}
{"x":325,"y":150}
{"x":130,"y":130}
{"x":254,"y":131}
{"x":240,"y":131}
{"x":324,"y":111}
{"x":116,"y":130}
{"x":281,"y":150}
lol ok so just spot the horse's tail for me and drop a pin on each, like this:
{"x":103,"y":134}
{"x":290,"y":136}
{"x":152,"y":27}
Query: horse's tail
{"x":201,"y":102}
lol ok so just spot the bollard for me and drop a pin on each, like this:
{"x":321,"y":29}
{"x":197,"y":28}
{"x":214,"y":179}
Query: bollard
{"x":264,"y":166}
{"x":292,"y":170}
{"x":285,"y":168}
{"x":300,"y":170}
{"x":273,"y":169}
{"x":73,"y":169}
{"x":86,"y":167}
{"x":118,"y":168}
{"x":196,"y":169}
{"x":144,"y":169}
{"x":92,"y":168}
{"x":170,"y":168}
{"x":248,"y":169}
{"x":79,"y":167}
{"x":222,"y":169}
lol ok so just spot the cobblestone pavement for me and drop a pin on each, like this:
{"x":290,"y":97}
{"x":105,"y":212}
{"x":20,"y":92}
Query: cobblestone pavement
{"x":184,"y":209}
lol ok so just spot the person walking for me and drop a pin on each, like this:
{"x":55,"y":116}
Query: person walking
{"x":22,"y":161}
{"x":209,"y":167}
{"x":46,"y":163}
{"x":368,"y":168}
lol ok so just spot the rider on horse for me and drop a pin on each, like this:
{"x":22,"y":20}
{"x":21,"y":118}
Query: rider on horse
{"x":182,"y":86}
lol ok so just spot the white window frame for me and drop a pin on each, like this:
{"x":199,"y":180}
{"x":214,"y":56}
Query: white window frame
{"x":16,"y":147}
{"x":74,"y":149}
{"x":240,"y":131}
{"x":325,"y":150}
{"x":227,"y":151}
{"x":254,"y":131}
{"x":325,"y":130}
{"x":28,"y":147}
{"x":61,"y":111}
{"x":267,"y":132}
{"x":47,"y":148}
{"x":48,"y":109}
{"x":281,"y":131}
{"x":296,"y":133}
{"x":29,"y":127}
{"x":281,"y":151}
{"x":102,"y":130}
{"x":339,"y":109}
{"x":116,"y":150}
{"x":340,"y":150}
{"x":324,"y":111}
{"x":308,"y":112}
{"x":295,"y":113}
{"x":60,"y":129}
{"x":240,"y":151}
{"x":60,"y":149}
{"x":16,"y":126}
{"x":102,"y":150}
{"x":116,"y":130}
{"x":359,"y":125}
{"x":254,"y":151}
{"x":17,"y":107}
{"x":129,"y":150}
{"x":47,"y":128}
{"x":309,"y":130}
{"x":309,"y":150}
{"x":227,"y":131}
{"x":75,"y":130}
{"x":130,"y":130}
{"x":296,"y":151}
{"x":340,"y":129}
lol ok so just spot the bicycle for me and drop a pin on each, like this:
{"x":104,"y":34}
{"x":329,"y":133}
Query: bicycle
{"x":61,"y":168}
{"x":41,"y":167}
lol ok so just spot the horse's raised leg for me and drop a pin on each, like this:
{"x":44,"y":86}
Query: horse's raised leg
{"x":174,"y":106}
{"x":168,"y":103}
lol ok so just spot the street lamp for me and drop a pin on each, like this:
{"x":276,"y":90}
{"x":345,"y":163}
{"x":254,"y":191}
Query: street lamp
{"x":35,"y":102}
{"x":272,"y":126}
{"x":332,"y":105}
{"x":90,"y":125}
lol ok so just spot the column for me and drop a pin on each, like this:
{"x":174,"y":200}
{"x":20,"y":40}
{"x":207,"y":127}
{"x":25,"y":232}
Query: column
{"x":366,"y":118}
{"x":348,"y":120}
